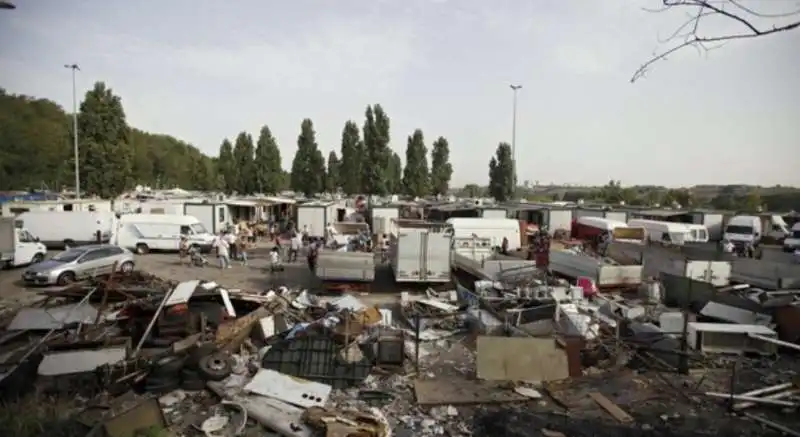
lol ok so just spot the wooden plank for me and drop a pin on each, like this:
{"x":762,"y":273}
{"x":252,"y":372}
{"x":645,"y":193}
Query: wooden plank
{"x":611,"y":408}
{"x":462,"y":392}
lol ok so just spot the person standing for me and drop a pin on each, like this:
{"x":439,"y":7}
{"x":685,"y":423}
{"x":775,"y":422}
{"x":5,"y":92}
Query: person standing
{"x":223,"y":254}
{"x":313,"y":252}
{"x":242,"y":246}
{"x":230,"y":238}
{"x":294,"y":247}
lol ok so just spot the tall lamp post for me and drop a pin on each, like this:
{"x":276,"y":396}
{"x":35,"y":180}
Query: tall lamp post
{"x":75,"y":68}
{"x":514,"y":89}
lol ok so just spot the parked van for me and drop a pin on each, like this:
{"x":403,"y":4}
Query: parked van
{"x":775,"y":229}
{"x":792,"y":242}
{"x":17,"y":246}
{"x":492,"y":228}
{"x":143,"y":233}
{"x":743,"y":229}
{"x":671,"y":233}
{"x":63,"y":229}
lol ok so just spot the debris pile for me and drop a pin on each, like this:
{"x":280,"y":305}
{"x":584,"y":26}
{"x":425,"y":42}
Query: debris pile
{"x":200,"y":359}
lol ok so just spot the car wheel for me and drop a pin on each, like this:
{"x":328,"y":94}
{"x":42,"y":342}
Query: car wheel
{"x":39,"y":257}
{"x":215,"y":367}
{"x":142,"y":249}
{"x":66,"y":278}
{"x":126,"y":267}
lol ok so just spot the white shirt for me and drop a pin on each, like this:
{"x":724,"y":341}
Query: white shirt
{"x":296,"y":242}
{"x":273,"y":257}
{"x":229,"y":238}
{"x":222,"y":246}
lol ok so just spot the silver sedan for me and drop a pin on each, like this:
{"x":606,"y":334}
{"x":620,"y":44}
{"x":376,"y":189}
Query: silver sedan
{"x":79,"y":263}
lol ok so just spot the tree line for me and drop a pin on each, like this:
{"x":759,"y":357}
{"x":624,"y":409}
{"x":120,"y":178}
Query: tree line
{"x":37,"y":153}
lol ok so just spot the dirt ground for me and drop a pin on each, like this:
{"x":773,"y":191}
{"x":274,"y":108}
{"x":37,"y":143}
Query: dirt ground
{"x":254,"y":276}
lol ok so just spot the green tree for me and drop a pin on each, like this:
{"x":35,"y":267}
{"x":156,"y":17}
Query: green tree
{"x":105,"y":154}
{"x":308,"y":166}
{"x":416,"y":177}
{"x":352,"y":153}
{"x":243,"y":154}
{"x":377,"y":153}
{"x":227,"y":167}
{"x":394,"y":174}
{"x":37,"y":128}
{"x":441,"y":169}
{"x":332,"y":181}
{"x":501,"y":174}
{"x":752,"y":201}
{"x":267,"y":163}
{"x":472,"y":190}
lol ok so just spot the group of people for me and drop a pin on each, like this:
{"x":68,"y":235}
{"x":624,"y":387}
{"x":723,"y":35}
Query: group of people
{"x":230,"y":245}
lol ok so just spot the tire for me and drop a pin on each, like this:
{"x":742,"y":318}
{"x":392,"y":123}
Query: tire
{"x":126,"y":267}
{"x":39,"y":257}
{"x":65,"y":278}
{"x":215,"y":367}
{"x":197,"y":354}
{"x":192,"y":380}
{"x":168,"y":366}
{"x":142,"y":249}
{"x":161,"y":385}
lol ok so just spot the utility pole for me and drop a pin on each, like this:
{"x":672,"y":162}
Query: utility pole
{"x":514,"y":89}
{"x":75,"y":68}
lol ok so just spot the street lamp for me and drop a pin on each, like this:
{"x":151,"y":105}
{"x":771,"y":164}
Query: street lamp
{"x":7,"y":5}
{"x":514,"y":89}
{"x":74,"y":68}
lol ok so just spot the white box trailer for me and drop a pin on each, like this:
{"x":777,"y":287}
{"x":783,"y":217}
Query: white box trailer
{"x":61,"y":229}
{"x":421,"y":256}
{"x":346,"y":266}
{"x":574,"y":265}
{"x":717,"y":273}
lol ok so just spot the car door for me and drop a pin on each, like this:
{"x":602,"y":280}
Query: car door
{"x":92,"y":263}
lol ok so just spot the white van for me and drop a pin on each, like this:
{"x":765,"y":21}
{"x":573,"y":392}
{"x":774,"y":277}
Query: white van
{"x":161,"y":232}
{"x":493,"y":228}
{"x":743,"y":229}
{"x":17,"y":246}
{"x":792,"y":242}
{"x":63,"y":229}
{"x":671,"y":233}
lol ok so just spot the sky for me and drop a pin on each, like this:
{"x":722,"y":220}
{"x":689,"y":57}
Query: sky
{"x":202,"y":71}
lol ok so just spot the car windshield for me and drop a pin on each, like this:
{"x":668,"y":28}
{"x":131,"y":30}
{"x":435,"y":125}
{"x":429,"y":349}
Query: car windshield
{"x":743,"y":230}
{"x":198,"y":228}
{"x":68,"y":256}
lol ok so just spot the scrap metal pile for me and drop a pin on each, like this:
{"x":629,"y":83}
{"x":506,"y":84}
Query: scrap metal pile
{"x":201,"y":359}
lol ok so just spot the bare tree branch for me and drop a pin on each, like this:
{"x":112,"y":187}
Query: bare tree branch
{"x":687,"y":34}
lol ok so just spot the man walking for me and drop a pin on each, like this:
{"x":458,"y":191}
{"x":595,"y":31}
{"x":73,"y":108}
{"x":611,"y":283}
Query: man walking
{"x":223,"y":254}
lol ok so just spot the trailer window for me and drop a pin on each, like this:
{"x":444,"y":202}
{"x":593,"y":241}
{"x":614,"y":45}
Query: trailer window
{"x":221,"y":215}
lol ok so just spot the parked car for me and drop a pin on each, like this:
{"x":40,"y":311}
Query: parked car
{"x":79,"y":263}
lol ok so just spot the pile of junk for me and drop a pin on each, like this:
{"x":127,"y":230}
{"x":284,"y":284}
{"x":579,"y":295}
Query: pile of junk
{"x":141,"y":337}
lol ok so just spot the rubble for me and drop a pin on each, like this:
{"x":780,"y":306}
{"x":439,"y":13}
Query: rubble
{"x":516,"y":356}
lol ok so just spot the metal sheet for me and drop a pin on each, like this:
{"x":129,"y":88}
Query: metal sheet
{"x":80,"y":361}
{"x":182,"y":292}
{"x":293,"y":390}
{"x":45,"y":319}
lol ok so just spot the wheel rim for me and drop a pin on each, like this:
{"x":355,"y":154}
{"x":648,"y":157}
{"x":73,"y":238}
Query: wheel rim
{"x":127,"y":267}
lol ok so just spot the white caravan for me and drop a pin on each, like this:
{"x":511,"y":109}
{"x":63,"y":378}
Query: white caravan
{"x":671,"y":233}
{"x":143,"y":233}
{"x":492,"y":228}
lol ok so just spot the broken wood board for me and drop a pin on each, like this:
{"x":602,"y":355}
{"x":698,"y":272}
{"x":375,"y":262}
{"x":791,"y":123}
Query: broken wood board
{"x":231,"y":334}
{"x":611,"y":408}
{"x":463,"y":392}
{"x":521,"y":359}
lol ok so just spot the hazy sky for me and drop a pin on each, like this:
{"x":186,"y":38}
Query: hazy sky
{"x":205,"y":70}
